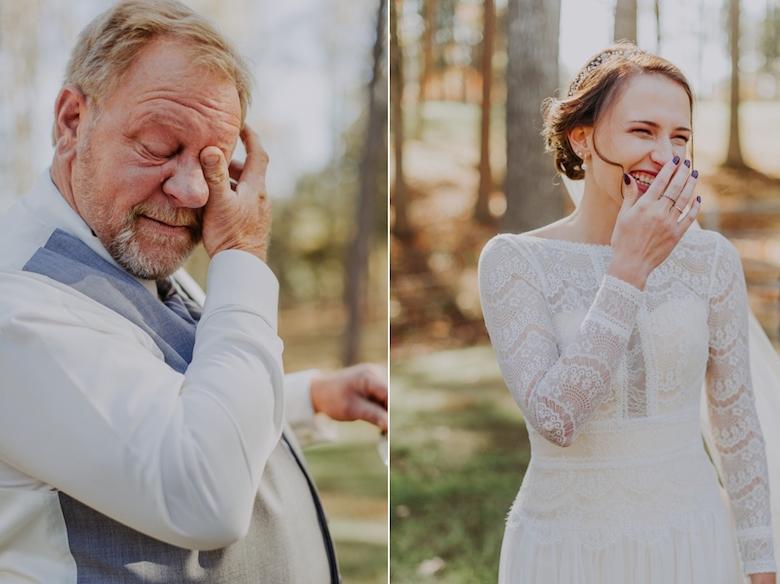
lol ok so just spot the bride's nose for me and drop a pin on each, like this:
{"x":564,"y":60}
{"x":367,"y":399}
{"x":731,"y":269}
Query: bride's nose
{"x":663,"y":151}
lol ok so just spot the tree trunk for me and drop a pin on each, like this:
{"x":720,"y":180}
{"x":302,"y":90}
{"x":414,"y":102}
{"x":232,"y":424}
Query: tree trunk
{"x":625,"y":20}
{"x":734,"y":154}
{"x":374,"y":155}
{"x":657,"y":10}
{"x":482,"y":210}
{"x":401,"y":227}
{"x":427,"y":49}
{"x":533,"y":199}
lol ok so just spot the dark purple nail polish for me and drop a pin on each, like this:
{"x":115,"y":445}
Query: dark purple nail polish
{"x":676,"y":160}
{"x":626,"y":179}
{"x":698,"y":199}
{"x":695,"y":174}
{"x":687,"y":163}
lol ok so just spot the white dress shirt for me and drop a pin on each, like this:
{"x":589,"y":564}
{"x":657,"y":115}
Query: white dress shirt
{"x":88,"y":405}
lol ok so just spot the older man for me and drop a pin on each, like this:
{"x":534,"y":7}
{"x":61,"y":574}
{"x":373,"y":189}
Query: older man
{"x":134,"y":428}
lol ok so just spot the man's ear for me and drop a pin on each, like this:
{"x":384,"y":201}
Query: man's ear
{"x":70,"y":110}
{"x":579,"y":139}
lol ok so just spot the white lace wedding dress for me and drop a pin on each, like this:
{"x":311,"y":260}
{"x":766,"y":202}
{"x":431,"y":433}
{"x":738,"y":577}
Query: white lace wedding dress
{"x":620,"y":488}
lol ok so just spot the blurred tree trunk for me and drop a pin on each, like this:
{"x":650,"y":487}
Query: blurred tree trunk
{"x":734,"y":154}
{"x":429,"y":22}
{"x":625,"y":20}
{"x":657,"y":10}
{"x":374,"y":154}
{"x":482,"y":210}
{"x":427,"y":48}
{"x":532,"y":197}
{"x":770,"y":42}
{"x":401,"y":227}
{"x":702,"y":36}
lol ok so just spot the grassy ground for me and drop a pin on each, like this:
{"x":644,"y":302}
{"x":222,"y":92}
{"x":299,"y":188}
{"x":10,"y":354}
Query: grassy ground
{"x":353,"y":484}
{"x":350,"y":476}
{"x":459,"y":452}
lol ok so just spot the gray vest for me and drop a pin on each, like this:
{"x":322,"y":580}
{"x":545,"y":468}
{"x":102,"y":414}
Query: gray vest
{"x":287,"y":543}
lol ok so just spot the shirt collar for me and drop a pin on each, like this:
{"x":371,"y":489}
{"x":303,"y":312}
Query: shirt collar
{"x":48,"y":204}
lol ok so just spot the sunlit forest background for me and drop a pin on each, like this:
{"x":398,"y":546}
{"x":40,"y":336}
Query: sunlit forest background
{"x":320,"y":107}
{"x":466,"y":162}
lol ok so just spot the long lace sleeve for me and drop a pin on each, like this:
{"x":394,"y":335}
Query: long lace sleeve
{"x":735,"y":427}
{"x":557,"y":391}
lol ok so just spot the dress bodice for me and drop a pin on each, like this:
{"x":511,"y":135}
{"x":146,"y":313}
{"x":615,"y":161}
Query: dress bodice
{"x":610,"y":382}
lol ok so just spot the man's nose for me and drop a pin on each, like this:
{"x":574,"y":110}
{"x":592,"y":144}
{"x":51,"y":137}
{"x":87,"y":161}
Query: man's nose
{"x":187,"y":184}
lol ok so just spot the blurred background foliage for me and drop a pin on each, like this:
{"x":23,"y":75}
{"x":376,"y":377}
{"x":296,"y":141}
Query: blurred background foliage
{"x":315,"y":62}
{"x":314,"y":229}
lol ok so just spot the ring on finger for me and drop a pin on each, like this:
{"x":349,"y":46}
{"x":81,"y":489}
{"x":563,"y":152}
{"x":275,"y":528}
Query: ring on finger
{"x":678,"y":208}
{"x":670,"y":198}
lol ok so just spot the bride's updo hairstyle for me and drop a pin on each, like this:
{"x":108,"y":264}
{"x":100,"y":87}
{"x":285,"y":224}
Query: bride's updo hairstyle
{"x":592,"y":92}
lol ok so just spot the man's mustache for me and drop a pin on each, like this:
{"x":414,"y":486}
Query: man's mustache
{"x":178,"y":216}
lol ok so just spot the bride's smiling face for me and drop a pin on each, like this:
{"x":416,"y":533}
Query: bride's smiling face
{"x":648,"y":124}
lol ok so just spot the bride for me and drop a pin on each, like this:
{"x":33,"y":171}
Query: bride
{"x":605,"y":325}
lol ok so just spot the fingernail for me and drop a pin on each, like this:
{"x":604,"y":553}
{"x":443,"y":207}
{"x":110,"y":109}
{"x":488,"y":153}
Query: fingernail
{"x":626,"y":179}
{"x":698,"y":199}
{"x":210,"y":159}
{"x":695,"y":174}
{"x":687,"y":163}
{"x":676,"y":160}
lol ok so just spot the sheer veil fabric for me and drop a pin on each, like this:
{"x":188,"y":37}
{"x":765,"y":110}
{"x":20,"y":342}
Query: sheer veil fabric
{"x":765,"y":374}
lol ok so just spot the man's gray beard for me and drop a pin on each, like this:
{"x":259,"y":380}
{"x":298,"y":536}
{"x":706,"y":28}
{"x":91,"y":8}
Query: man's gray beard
{"x":124,"y":247}
{"x":126,"y":250}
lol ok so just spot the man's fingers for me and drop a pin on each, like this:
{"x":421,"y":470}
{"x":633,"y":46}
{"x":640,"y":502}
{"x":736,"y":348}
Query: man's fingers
{"x":370,"y":412}
{"x":375,"y":382}
{"x":356,"y":393}
{"x":234,"y":220}
{"x":215,"y":170}
{"x":235,"y":168}
{"x":256,"y":162}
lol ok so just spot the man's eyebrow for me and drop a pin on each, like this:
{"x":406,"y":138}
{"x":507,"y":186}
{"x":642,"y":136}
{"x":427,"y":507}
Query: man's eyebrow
{"x":656,"y":125}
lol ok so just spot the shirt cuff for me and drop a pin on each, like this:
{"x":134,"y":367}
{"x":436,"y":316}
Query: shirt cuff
{"x":238,"y":278}
{"x":616,"y":306}
{"x":757,"y":550}
{"x":299,"y":412}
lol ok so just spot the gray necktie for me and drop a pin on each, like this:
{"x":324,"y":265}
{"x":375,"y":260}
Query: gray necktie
{"x":180,"y":304}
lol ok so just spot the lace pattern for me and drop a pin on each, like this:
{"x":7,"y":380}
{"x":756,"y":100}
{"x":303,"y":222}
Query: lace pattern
{"x":732,"y":411}
{"x":614,"y":375}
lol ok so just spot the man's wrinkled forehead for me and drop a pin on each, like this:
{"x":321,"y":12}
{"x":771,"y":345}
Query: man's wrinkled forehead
{"x":160,"y":67}
{"x":165,"y":83}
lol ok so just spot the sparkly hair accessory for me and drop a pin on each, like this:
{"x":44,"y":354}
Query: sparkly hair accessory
{"x":602,"y":58}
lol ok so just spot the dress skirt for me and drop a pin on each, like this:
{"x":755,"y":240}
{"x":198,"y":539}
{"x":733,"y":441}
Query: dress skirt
{"x":705,"y":554}
{"x":642,"y":506}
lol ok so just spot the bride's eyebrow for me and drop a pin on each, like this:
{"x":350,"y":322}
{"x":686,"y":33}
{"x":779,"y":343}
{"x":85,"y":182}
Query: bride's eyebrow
{"x":656,"y":125}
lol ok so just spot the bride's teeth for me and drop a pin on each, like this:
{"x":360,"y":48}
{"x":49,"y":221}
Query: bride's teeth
{"x":641,"y":179}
